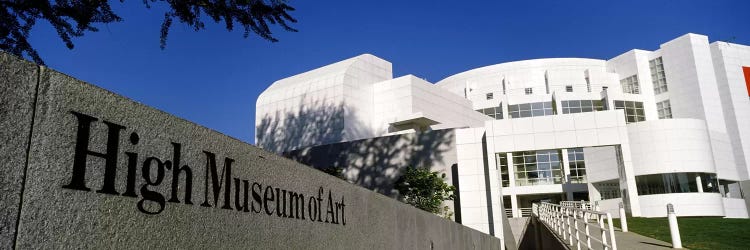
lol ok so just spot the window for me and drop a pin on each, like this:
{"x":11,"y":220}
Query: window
{"x":630,"y":85}
{"x":489,"y":96}
{"x":541,"y":167}
{"x":608,"y":189}
{"x":502,"y":160}
{"x":676,"y":183}
{"x":664,"y":109}
{"x":503,"y":86}
{"x":580,"y":106}
{"x":577,"y":167}
{"x":657,"y":75}
{"x":494,"y":112}
{"x":588,"y":84}
{"x":730,"y":189}
{"x":531,"y":109}
{"x":569,"y":88}
{"x":528,"y":91}
{"x":633,"y":111}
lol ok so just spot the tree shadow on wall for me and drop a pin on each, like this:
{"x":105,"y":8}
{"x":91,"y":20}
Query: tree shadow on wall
{"x":314,"y":124}
{"x":377,"y":163}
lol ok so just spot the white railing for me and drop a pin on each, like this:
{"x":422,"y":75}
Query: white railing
{"x":575,"y":225}
{"x":525,"y":211}
{"x":585,"y":205}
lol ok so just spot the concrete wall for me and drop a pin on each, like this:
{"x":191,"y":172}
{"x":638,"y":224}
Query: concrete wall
{"x":103,"y":171}
{"x":18,"y":91}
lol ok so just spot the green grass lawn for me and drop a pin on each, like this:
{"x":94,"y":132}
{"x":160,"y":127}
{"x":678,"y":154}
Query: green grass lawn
{"x":696,"y":233}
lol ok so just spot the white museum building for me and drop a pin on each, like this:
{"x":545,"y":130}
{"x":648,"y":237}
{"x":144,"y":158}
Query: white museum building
{"x":644,"y":128}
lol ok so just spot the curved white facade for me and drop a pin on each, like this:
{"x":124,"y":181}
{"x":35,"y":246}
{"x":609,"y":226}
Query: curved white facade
{"x":645,"y":128}
{"x":670,"y":146}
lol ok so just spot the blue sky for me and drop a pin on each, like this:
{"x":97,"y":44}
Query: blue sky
{"x":213,"y":77}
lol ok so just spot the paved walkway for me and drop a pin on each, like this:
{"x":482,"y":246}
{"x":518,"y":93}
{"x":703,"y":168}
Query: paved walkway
{"x":630,"y":240}
{"x":626,"y":241}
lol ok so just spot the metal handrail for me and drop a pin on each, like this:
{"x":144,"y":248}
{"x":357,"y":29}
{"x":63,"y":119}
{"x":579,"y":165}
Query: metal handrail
{"x":566,"y":221}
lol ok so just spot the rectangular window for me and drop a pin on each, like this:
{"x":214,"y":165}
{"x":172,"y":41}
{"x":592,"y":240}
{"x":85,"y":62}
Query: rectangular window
{"x":633,"y":111}
{"x":657,"y":75}
{"x":543,"y":167}
{"x":630,"y":85}
{"x":664,"y":109}
{"x":577,"y":166}
{"x":530,"y":109}
{"x":489,"y":96}
{"x":528,"y":91}
{"x":494,"y":112}
{"x":569,"y":88}
{"x":503,"y":86}
{"x":502,"y":160}
{"x":580,"y":106}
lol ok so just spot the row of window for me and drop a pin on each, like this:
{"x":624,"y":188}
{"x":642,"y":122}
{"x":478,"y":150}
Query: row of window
{"x":494,"y":112}
{"x":580,"y":106}
{"x":542,"y":167}
{"x":629,"y":84}
{"x":530,"y":109}
{"x":529,"y":91}
{"x":634,"y":111}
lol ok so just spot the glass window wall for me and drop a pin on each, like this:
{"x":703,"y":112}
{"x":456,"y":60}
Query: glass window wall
{"x":577,"y":166}
{"x":676,"y":183}
{"x":543,"y":167}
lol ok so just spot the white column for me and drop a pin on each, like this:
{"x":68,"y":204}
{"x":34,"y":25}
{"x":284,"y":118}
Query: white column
{"x":514,"y":205}
{"x":674,"y":229}
{"x":511,"y":170}
{"x":699,"y":183}
{"x":566,"y":173}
